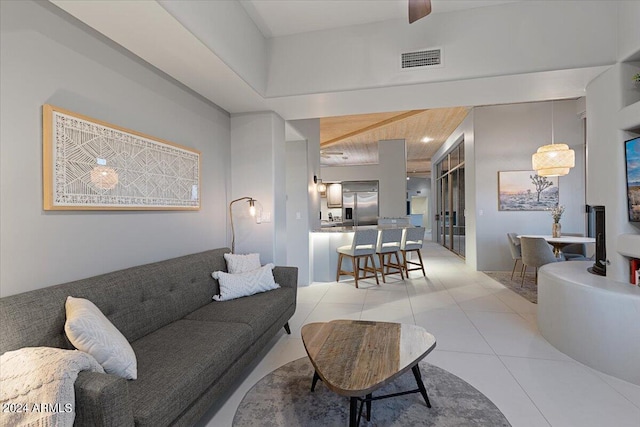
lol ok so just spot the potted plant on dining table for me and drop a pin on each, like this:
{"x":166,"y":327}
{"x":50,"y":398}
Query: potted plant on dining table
{"x":556,"y":214}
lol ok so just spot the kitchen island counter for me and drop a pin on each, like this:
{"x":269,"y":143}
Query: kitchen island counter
{"x":352,"y":228}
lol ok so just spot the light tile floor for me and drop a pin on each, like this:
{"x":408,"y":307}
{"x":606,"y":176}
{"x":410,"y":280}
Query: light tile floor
{"x":487,"y":335}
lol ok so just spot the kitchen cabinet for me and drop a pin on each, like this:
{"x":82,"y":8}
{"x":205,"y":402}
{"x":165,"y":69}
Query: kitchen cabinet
{"x":334,"y":195}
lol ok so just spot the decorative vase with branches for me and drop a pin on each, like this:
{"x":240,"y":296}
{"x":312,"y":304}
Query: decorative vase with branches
{"x":556,"y":214}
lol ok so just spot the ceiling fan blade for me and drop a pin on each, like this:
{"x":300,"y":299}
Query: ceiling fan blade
{"x":418,"y":9}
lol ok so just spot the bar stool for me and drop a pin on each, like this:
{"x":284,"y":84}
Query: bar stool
{"x":389,"y":244}
{"x":363,"y":246}
{"x":412,"y":239}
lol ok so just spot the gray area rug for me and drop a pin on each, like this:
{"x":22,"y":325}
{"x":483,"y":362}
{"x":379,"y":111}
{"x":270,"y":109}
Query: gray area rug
{"x":283,"y":398}
{"x":528,"y":291}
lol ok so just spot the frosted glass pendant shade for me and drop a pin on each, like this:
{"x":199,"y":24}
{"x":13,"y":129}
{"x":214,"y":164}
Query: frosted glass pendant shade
{"x":553,"y":160}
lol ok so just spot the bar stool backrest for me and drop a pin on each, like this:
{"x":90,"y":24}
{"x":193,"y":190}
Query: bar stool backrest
{"x":412,"y":239}
{"x":364,"y":242}
{"x":389,"y":240}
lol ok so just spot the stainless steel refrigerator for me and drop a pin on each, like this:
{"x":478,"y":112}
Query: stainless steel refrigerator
{"x":359,"y":203}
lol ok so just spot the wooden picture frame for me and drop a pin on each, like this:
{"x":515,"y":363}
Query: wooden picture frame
{"x":89,"y":164}
{"x":526,"y":191}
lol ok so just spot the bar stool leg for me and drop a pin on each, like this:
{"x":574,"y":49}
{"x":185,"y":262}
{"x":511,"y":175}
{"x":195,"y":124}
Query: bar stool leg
{"x":404,"y":262}
{"x":399,"y":265}
{"x":339,"y":267}
{"x":421,"y":263}
{"x":356,"y":269}
{"x":375,"y":273}
{"x":381,"y":258}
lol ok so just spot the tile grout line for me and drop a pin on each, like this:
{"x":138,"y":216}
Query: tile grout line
{"x":507,"y":369}
{"x":590,"y":370}
{"x":523,"y":389}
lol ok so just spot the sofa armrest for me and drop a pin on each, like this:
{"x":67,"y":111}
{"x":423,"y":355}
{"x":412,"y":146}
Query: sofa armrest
{"x":102,"y":400}
{"x":287,"y":277}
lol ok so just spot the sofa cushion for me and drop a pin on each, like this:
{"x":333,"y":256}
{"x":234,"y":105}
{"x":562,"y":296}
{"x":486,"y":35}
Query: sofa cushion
{"x":91,"y":332}
{"x":239,"y":285}
{"x":258,"y":311}
{"x":238,"y":263}
{"x":178,"y":362}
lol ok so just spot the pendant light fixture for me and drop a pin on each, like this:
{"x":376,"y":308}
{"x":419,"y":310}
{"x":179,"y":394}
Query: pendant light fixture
{"x":553,"y":159}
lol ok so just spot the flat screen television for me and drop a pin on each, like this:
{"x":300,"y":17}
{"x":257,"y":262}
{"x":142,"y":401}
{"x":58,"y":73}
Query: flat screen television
{"x":632,"y":157}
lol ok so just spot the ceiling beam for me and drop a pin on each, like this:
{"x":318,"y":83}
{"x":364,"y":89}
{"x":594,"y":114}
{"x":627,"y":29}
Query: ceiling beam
{"x":377,"y":125}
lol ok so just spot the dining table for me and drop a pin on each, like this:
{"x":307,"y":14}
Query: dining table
{"x":560,"y":242}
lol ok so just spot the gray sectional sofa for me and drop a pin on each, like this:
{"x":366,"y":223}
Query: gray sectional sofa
{"x":189,"y":348}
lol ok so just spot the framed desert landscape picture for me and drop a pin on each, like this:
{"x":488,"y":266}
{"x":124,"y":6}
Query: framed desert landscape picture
{"x":526,"y":191}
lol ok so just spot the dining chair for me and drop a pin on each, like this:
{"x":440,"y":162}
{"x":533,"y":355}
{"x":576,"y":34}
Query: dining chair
{"x":412,"y":240}
{"x":536,"y":252}
{"x":575,"y":251}
{"x":516,"y":252}
{"x":389,"y":240}
{"x":363,"y":246}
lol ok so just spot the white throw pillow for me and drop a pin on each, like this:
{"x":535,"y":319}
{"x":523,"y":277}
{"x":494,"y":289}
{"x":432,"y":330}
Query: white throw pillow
{"x":234,"y":286}
{"x":242,"y":263}
{"x":90,"y":331}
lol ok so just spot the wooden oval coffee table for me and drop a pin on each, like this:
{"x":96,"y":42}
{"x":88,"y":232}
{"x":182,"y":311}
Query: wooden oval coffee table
{"x":354,"y":358}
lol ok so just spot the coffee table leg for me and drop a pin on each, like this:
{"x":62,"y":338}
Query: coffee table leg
{"x":423,"y":390}
{"x":353,"y":412}
{"x":369,"y":407}
{"x":316,"y":377}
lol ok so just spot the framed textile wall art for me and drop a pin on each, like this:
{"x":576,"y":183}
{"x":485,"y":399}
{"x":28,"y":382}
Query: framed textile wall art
{"x":526,"y":191}
{"x":89,"y":164}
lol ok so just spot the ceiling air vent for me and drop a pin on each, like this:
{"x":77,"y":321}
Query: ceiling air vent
{"x":422,"y":59}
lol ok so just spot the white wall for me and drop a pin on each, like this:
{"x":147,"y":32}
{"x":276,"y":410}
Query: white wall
{"x":509,"y":39}
{"x":391,"y":172}
{"x":48,"y":57}
{"x":628,"y":29}
{"x":420,"y":187}
{"x":258,"y":170}
{"x":310,"y":129}
{"x":298,"y":241}
{"x":298,"y":209}
{"x":279,"y":215}
{"x":226,"y":29}
{"x":606,"y":181}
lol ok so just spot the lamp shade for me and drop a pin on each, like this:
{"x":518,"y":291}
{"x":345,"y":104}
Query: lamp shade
{"x":553,"y":160}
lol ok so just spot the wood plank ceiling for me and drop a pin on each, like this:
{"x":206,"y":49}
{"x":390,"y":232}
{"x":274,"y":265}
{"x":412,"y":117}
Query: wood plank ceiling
{"x":353,"y":140}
